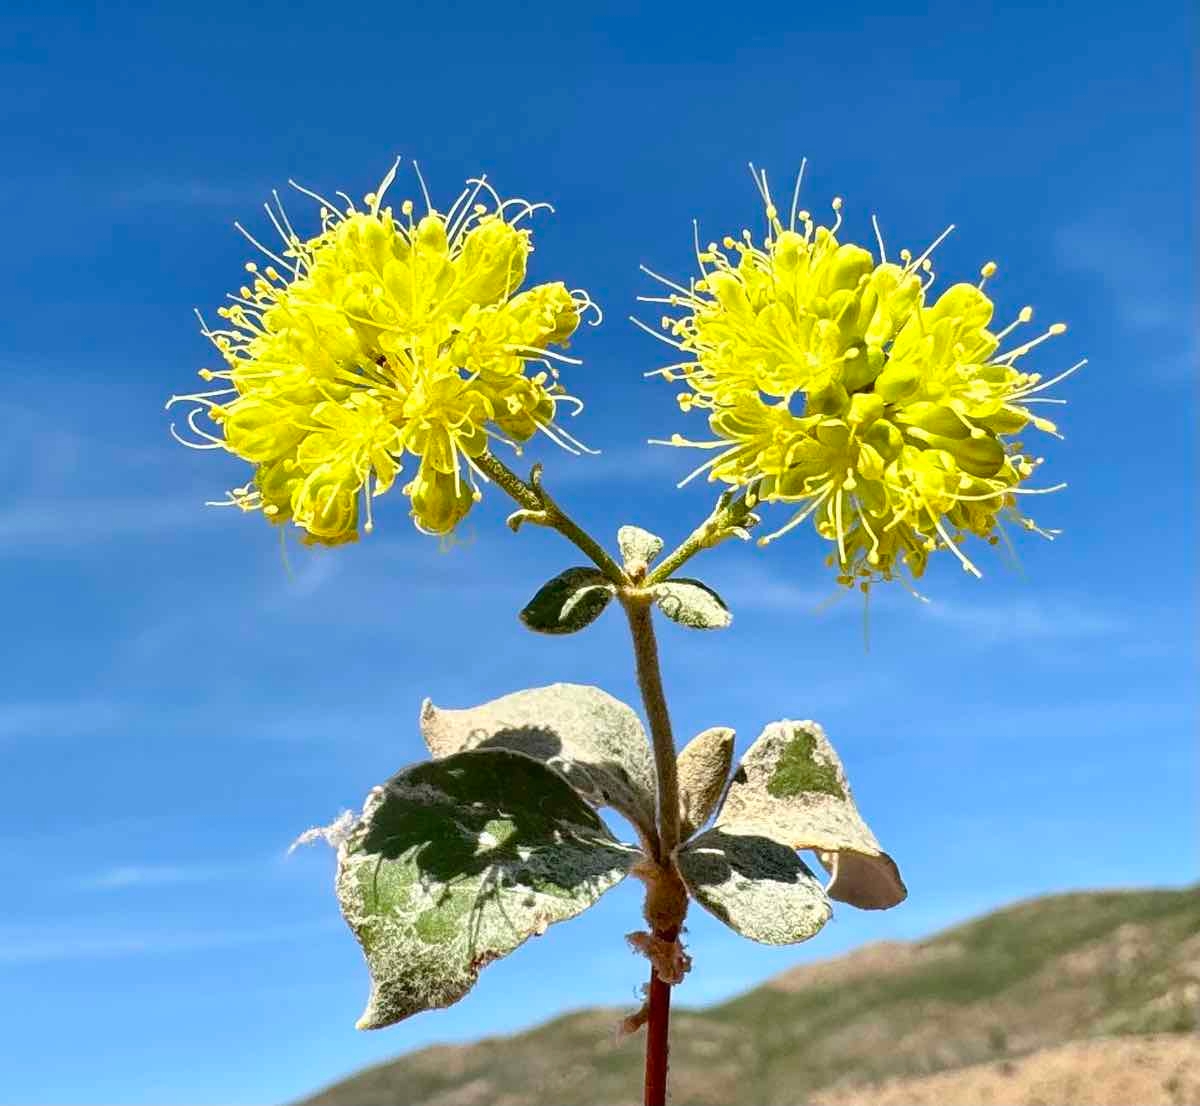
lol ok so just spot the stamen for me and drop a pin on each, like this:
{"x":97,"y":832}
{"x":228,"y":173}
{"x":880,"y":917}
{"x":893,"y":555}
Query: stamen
{"x":950,"y":544}
{"x":690,"y":293}
{"x":1002,"y":492}
{"x":667,"y":369}
{"x":654,"y":333}
{"x":1033,"y":390}
{"x":729,"y":455}
{"x":696,"y":246}
{"x":485,"y":184}
{"x":798,"y":518}
{"x":259,"y":246}
{"x":933,"y":246}
{"x":384,"y":185}
{"x":879,"y":239}
{"x":428,"y":209}
{"x":796,"y":194}
{"x":1023,"y":316}
{"x":330,"y":208}
{"x":545,"y":429}
{"x":837,"y":509}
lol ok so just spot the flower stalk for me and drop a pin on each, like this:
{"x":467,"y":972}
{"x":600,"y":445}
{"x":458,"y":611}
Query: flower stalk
{"x":538,"y":508}
{"x":731,"y":517}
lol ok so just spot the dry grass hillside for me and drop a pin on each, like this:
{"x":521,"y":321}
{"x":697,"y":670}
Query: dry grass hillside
{"x":1089,"y":999}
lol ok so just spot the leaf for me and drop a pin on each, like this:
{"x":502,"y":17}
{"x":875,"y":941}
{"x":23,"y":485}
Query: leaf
{"x":792,"y":786}
{"x":638,"y":546}
{"x":692,"y":603}
{"x":702,"y":768}
{"x":569,"y":602}
{"x":594,"y":741}
{"x":755,"y":885}
{"x":455,"y":863}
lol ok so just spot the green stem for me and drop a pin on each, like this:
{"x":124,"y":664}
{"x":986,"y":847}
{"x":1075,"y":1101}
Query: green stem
{"x":541,"y":510}
{"x":731,"y":517}
{"x":649,"y":674}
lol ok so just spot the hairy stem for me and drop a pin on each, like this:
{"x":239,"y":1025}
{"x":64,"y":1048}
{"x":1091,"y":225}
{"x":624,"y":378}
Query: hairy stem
{"x":732,"y":517}
{"x":667,"y":901}
{"x":541,"y":510}
{"x":645,"y":653}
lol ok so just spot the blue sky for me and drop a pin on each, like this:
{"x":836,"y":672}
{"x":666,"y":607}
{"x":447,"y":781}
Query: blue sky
{"x":176,"y":707}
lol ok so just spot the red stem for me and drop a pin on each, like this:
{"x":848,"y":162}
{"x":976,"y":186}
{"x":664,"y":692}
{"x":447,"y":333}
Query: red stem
{"x":658,"y":1026}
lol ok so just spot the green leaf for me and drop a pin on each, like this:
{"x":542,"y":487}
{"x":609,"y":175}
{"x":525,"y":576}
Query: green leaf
{"x":791,"y":786}
{"x":454,"y":863}
{"x":692,"y":603}
{"x":568,"y":602}
{"x":703,"y":769}
{"x":755,"y":885}
{"x":594,"y":741}
{"x":638,"y":546}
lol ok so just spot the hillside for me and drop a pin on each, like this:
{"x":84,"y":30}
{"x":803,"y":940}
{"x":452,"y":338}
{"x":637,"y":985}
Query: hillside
{"x":1024,"y":980}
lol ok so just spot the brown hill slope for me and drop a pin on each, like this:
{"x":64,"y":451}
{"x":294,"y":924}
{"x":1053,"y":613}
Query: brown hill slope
{"x":1030,"y":977}
{"x":1163,"y":1070}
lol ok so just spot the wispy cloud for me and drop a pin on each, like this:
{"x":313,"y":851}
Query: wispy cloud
{"x":754,"y":587}
{"x":1136,"y":275}
{"x":1025,"y":619}
{"x":629,"y":465}
{"x":76,"y":524}
{"x":125,"y":876}
{"x":986,"y":622}
{"x":177,"y":192}
{"x":53,"y":719}
{"x":1090,"y":719}
{"x":30,"y":946}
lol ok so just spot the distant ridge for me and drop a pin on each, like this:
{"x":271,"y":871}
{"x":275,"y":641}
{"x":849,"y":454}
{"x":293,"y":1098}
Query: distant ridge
{"x":1021,"y":1002}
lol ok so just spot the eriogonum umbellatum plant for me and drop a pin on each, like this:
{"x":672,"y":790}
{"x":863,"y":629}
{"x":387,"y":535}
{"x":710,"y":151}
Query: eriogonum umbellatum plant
{"x":397,"y":346}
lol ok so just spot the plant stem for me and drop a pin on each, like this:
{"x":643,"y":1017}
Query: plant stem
{"x":666,"y":899}
{"x":649,"y":673}
{"x":645,"y":653}
{"x":541,"y":510}
{"x":729,"y":517}
{"x":658,"y":1034}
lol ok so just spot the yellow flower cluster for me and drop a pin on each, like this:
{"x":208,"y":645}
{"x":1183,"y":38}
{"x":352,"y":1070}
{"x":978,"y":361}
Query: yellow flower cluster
{"x":383,"y":337}
{"x":830,"y":382}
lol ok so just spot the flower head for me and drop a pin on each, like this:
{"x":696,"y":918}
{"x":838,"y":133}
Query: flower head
{"x":834,"y":381}
{"x":385,"y":341}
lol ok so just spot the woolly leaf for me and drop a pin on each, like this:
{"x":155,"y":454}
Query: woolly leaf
{"x":569,"y":602}
{"x":638,"y":546}
{"x":692,"y":604}
{"x":594,"y":741}
{"x":702,"y":768}
{"x":455,"y":863}
{"x":755,"y":885}
{"x":791,"y":786}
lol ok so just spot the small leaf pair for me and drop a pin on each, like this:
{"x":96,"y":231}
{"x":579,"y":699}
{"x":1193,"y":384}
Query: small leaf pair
{"x":577,"y":597}
{"x":789,"y":793}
